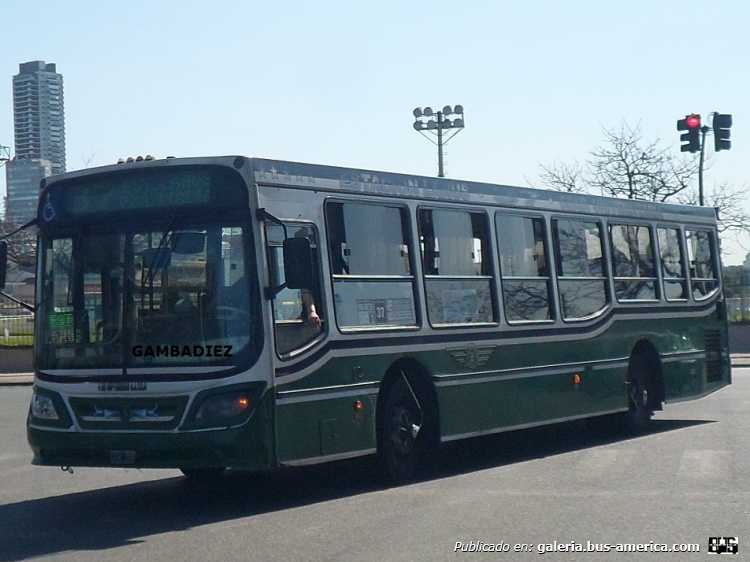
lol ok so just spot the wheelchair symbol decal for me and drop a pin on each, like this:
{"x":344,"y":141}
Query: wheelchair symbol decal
{"x":48,"y":213}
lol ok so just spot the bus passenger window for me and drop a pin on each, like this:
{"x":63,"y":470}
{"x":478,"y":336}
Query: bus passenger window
{"x":526,"y":280}
{"x":672,"y":264}
{"x":702,"y":258}
{"x":458,"y":273}
{"x":580,"y":272}
{"x":633,"y":262}
{"x":370,"y":263}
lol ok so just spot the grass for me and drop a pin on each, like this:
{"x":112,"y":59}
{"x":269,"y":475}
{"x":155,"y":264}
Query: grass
{"x":16,"y":331}
{"x":17,"y":341}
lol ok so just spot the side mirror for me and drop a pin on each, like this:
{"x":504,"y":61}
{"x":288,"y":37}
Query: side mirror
{"x":298,"y":263}
{"x":3,"y":263}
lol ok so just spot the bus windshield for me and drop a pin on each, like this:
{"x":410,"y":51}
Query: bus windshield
{"x":169,"y":296}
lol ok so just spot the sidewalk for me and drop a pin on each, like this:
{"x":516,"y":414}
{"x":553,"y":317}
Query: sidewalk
{"x":15,"y":379}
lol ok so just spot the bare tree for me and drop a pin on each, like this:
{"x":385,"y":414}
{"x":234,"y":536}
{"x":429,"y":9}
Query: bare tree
{"x":565,"y":177}
{"x":21,"y":245}
{"x":87,"y":160}
{"x":628,"y":166}
{"x":733,"y":218}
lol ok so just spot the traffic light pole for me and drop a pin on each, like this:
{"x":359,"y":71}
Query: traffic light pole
{"x":695,"y":139}
{"x":704,"y":130}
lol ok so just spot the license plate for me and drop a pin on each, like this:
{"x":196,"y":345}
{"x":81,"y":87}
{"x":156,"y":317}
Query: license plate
{"x":122,"y":457}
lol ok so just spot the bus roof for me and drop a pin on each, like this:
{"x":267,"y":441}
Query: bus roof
{"x":318,"y":177}
{"x":321,"y":177}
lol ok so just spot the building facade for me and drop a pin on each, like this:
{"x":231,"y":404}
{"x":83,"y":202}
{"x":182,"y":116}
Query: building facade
{"x":39,"y":114}
{"x":39,"y":131}
{"x":23,"y":178}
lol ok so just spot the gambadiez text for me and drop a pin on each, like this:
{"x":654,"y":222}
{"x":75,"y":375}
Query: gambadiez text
{"x":182,"y":350}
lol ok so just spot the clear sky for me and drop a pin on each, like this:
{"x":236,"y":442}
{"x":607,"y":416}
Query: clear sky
{"x":335,"y":82}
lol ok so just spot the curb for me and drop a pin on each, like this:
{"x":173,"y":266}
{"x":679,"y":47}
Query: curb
{"x":16,"y":379}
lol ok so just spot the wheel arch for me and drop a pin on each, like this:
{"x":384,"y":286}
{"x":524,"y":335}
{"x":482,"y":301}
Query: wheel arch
{"x":420,"y":380}
{"x":644,"y":349}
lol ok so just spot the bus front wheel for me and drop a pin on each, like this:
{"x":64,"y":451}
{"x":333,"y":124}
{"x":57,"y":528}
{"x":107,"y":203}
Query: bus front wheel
{"x":402,"y":435}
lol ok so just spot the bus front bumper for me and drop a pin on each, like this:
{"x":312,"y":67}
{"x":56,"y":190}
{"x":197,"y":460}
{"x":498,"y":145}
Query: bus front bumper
{"x":249,"y":445}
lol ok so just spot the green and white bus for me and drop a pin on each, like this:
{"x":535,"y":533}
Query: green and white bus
{"x":171,"y":330}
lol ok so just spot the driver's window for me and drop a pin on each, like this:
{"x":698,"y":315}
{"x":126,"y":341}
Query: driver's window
{"x":297,"y":313}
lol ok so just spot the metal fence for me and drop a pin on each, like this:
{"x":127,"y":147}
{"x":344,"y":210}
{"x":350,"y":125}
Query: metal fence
{"x":16,"y":324}
{"x":737,"y":293}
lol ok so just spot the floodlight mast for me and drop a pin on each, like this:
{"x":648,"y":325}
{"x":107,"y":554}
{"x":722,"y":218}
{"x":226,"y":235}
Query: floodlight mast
{"x":436,"y":122}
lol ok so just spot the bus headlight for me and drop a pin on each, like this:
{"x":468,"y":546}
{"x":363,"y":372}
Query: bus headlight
{"x":43,"y":408}
{"x":231,"y":406}
{"x":224,"y":407}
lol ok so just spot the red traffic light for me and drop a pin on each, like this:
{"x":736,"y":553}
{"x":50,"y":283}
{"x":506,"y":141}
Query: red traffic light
{"x":693,"y":121}
{"x":691,"y":124}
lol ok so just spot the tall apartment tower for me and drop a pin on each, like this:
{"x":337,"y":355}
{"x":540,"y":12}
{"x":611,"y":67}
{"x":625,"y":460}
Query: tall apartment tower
{"x":39,"y":126}
{"x":39,"y":114}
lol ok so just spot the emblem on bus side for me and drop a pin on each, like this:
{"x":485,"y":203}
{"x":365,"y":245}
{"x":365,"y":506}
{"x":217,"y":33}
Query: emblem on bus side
{"x":472,"y":356}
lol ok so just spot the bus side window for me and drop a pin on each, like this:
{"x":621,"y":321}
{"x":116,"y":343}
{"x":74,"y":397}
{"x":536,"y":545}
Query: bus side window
{"x":702,"y":258}
{"x":524,"y":268}
{"x":633,"y":262}
{"x":369,"y":254}
{"x":581,"y":277}
{"x":457,"y":266}
{"x":337,"y":248}
{"x":672,"y":264}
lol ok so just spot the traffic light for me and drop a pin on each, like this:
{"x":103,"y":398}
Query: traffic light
{"x":691,"y":124}
{"x":722,"y":124}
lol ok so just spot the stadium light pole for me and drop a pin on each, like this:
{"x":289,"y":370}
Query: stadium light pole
{"x":435,"y":122}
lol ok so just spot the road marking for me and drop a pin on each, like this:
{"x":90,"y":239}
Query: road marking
{"x":706,"y":463}
{"x":603,"y":462}
{"x":11,"y":457}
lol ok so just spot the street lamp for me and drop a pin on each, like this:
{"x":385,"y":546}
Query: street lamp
{"x":428,"y":121}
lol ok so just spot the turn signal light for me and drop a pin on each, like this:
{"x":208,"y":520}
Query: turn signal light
{"x":223,"y":406}
{"x":359,"y":411}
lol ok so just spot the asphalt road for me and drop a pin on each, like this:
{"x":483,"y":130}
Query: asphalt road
{"x":572,"y":484}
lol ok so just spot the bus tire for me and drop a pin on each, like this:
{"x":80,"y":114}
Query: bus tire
{"x":640,"y":387}
{"x":400,"y":452}
{"x":205,"y":474}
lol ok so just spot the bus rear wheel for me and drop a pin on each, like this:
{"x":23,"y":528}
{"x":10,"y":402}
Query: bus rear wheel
{"x":205,"y":474}
{"x":640,"y":409}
